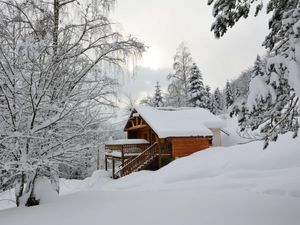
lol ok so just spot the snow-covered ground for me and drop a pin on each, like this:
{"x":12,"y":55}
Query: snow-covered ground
{"x":275,"y":171}
{"x":241,"y":185}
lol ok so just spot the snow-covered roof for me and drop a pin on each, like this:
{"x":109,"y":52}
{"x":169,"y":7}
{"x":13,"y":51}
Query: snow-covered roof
{"x":127,"y":142}
{"x":179,"y":122}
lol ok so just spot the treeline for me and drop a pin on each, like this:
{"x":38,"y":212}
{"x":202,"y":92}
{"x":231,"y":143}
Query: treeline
{"x":265,"y":104}
{"x":187,"y":87}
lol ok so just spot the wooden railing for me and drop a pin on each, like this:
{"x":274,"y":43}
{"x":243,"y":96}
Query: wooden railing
{"x":142,"y":159}
{"x":127,"y":148}
{"x":127,"y":161}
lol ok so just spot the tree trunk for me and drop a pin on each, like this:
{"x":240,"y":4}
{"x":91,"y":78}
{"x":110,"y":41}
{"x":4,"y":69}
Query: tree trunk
{"x":19,"y":189}
{"x":26,"y":197}
{"x":55,"y":27}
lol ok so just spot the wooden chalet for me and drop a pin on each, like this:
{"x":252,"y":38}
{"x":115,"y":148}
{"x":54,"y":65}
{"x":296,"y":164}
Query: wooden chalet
{"x":156,"y":136}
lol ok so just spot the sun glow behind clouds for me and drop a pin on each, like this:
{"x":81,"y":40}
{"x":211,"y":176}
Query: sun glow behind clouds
{"x":152,"y":59}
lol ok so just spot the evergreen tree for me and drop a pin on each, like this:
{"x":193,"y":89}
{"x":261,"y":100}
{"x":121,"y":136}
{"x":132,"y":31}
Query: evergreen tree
{"x":281,"y":81}
{"x":157,"y":99}
{"x":266,"y":106}
{"x":228,"y":95}
{"x":208,"y":99}
{"x":236,"y":92}
{"x":213,"y":105}
{"x":228,"y":12}
{"x":218,"y":103}
{"x":197,"y":92}
{"x":259,"y":67}
{"x":242,"y":84}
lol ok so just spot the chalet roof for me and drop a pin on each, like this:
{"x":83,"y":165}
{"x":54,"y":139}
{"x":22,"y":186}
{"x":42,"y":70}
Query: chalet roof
{"x":179,"y":122}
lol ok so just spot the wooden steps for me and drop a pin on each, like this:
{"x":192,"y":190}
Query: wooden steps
{"x":139,"y":162}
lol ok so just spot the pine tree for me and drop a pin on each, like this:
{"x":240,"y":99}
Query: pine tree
{"x":208,"y":99}
{"x":197,"y":92}
{"x":157,"y":99}
{"x":218,"y":103}
{"x":228,"y":95}
{"x":266,"y":108}
{"x":259,"y":67}
{"x":213,"y":105}
{"x":281,"y":81}
{"x":229,"y":12}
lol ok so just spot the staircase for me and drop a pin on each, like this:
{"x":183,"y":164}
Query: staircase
{"x":139,"y":162}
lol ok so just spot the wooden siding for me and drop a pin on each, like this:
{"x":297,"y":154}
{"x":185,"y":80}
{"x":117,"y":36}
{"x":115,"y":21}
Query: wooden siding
{"x":141,"y":133}
{"x":183,"y":146}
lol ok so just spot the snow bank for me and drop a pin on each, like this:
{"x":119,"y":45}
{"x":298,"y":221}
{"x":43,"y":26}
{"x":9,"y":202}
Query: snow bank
{"x":237,"y":185}
{"x":274,"y":171}
{"x":7,"y":199}
{"x":44,"y":190}
{"x":230,"y":133}
{"x":98,"y":178}
{"x":160,"y":208}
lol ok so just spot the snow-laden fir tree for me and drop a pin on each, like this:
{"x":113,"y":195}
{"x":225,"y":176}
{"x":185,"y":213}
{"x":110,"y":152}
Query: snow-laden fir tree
{"x":242,"y":84}
{"x":261,"y":111}
{"x":236,"y":92}
{"x":282,"y":78}
{"x":209,"y":98}
{"x":54,"y":88}
{"x":218,"y":102}
{"x":157,"y":98}
{"x":213,"y":106}
{"x":197,"y":91}
{"x":229,"y":99}
{"x":179,"y":86}
{"x":259,"y":67}
{"x":251,"y":119}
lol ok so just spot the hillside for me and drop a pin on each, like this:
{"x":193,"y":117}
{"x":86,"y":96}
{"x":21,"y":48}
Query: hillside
{"x":241,"y":184}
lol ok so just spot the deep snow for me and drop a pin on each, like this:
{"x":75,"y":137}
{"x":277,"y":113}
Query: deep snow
{"x":274,"y":171}
{"x":240,"y":185}
{"x":160,"y":208}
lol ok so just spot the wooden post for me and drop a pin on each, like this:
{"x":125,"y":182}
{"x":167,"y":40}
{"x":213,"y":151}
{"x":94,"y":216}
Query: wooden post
{"x":106,"y":163}
{"x":122,"y":152}
{"x":98,"y":159}
{"x":159,"y":154}
{"x":113,"y":168}
{"x":157,"y":139}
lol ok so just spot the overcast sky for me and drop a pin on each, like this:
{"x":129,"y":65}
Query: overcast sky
{"x":163,"y":24}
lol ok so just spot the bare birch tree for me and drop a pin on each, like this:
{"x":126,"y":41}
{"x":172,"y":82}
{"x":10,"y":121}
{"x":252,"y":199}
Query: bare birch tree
{"x":54,"y":88}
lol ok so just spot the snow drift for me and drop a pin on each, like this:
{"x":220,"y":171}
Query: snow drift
{"x":238,"y":185}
